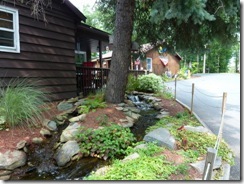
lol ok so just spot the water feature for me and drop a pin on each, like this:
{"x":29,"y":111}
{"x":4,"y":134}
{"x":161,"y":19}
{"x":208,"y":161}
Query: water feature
{"x":42,"y":166}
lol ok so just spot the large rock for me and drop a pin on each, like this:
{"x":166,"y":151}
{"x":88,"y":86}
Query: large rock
{"x":11,"y":160}
{"x":162,"y":137}
{"x":70,"y":132}
{"x":78,"y":118}
{"x":66,"y":152}
{"x":64,"y":106}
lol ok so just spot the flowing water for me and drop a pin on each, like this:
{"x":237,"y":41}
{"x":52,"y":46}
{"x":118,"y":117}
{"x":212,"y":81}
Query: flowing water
{"x":42,"y":166}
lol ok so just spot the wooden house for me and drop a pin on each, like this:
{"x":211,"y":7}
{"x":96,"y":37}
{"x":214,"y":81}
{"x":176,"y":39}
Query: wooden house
{"x":159,"y":63}
{"x":35,"y":49}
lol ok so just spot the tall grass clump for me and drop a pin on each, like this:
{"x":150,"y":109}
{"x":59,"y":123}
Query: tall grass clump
{"x":21,"y":102}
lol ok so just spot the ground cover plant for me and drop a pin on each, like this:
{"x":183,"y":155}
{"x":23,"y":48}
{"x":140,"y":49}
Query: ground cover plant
{"x":106,"y":142}
{"x":198,"y":142}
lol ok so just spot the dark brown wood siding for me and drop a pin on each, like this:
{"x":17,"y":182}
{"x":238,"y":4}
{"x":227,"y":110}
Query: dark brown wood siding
{"x":46,"y":50}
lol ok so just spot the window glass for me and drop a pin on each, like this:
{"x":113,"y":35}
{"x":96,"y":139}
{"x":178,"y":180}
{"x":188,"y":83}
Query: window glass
{"x":6,"y":20}
{"x":149,"y":64}
{"x":6,"y":38}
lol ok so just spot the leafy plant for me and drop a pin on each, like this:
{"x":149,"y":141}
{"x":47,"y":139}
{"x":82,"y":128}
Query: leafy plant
{"x":92,"y":102}
{"x":150,"y":83}
{"x":132,"y":83}
{"x":21,"y":103}
{"x":103,"y":120}
{"x":147,"y":167}
{"x":106,"y":142}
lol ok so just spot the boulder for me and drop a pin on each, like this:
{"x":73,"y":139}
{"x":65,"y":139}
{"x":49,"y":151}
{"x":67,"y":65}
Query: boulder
{"x":66,"y":152}
{"x":11,"y":160}
{"x":162,"y":137}
{"x":64,"y":106}
{"x":78,"y":118}
{"x":70,"y":132}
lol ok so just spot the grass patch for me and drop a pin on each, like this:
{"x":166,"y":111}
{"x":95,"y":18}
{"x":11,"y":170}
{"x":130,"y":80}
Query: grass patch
{"x":21,"y":103}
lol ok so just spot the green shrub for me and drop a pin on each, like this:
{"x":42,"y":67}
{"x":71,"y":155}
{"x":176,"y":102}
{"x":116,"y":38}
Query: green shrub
{"x":107,"y":142}
{"x":132,"y":84}
{"x":21,"y":103}
{"x":92,"y":102}
{"x":150,"y":83}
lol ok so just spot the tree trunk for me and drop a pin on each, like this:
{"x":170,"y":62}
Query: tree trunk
{"x":121,"y":57}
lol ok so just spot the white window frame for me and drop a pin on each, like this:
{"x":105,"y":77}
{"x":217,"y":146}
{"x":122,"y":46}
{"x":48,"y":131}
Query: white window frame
{"x":149,"y":62}
{"x":15,"y":30}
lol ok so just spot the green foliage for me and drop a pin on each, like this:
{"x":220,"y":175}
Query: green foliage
{"x":150,"y":83}
{"x":132,"y":83}
{"x":150,"y":150}
{"x":92,"y":102}
{"x":107,"y":142}
{"x":103,"y":120}
{"x":188,"y":140}
{"x":165,"y":93}
{"x":21,"y":103}
{"x":190,"y":155}
{"x":147,"y":167}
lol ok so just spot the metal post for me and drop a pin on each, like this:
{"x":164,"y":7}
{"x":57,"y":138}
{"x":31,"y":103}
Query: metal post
{"x":209,"y":164}
{"x":175,"y":87}
{"x":192,"y":96}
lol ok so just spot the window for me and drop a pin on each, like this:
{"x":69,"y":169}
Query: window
{"x":80,"y":57}
{"x":149,"y":64}
{"x":9,"y":30}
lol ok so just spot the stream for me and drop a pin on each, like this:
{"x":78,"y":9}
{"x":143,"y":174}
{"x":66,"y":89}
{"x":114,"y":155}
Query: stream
{"x":42,"y":166}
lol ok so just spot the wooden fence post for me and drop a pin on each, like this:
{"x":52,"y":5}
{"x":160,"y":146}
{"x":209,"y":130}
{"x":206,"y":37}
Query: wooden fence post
{"x":192,"y":96}
{"x":209,"y":164}
{"x":175,"y":87}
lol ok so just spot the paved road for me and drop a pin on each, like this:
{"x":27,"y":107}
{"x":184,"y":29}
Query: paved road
{"x":209,"y":90}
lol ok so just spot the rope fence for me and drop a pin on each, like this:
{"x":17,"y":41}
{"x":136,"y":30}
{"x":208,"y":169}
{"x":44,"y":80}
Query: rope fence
{"x":211,"y":152}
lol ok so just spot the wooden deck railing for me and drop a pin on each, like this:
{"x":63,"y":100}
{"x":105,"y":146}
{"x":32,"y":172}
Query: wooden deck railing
{"x":89,"y":80}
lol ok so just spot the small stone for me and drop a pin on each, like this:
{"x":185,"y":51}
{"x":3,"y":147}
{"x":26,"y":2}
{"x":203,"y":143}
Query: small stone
{"x":44,"y":132}
{"x":121,"y":105}
{"x":37,"y":140}
{"x":131,"y":157}
{"x":5,"y":172}
{"x":21,"y":144}
{"x":119,"y":108}
{"x":6,"y":177}
{"x":78,"y":118}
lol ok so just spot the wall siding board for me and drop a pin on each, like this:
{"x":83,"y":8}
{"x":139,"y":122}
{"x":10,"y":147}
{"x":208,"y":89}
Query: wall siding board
{"x":30,"y":56}
{"x":8,"y":64}
{"x":25,"y":38}
{"x":45,"y":33}
{"x":47,"y":50}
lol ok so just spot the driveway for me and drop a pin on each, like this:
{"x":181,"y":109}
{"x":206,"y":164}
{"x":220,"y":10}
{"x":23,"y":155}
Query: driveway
{"x":208,"y":94}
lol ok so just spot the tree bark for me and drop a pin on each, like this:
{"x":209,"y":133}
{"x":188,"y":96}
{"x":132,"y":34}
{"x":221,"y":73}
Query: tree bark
{"x":121,"y":57}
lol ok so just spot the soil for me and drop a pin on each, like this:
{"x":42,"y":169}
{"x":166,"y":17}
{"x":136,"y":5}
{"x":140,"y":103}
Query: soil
{"x":10,"y":137}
